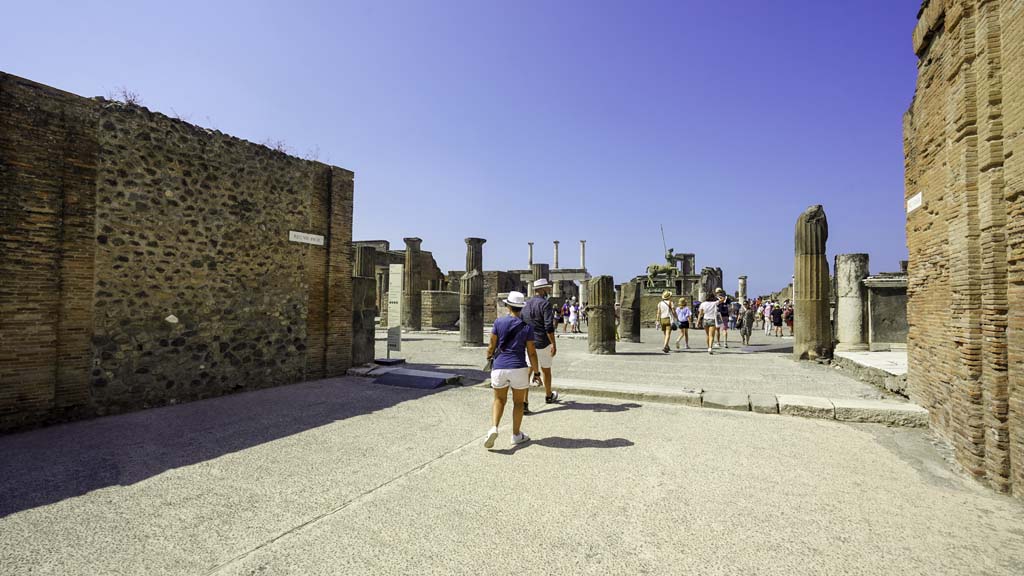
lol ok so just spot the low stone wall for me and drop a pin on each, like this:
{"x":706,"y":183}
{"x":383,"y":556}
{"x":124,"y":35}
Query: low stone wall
{"x":440,"y":309}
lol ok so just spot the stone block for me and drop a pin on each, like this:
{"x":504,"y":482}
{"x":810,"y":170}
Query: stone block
{"x":806,"y":406}
{"x":726,"y":401}
{"x":764,"y":403}
{"x":891,"y":412}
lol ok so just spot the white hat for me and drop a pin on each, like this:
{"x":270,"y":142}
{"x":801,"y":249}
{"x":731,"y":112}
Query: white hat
{"x":541,"y":283}
{"x":573,"y":298}
{"x":515,"y":300}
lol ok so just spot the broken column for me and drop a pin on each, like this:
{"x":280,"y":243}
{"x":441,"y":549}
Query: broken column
{"x":812,"y":328}
{"x":851,"y":302}
{"x":529,"y":263}
{"x":364,"y":304}
{"x":411,"y":297}
{"x":471,"y":295}
{"x":601,"y":326}
{"x":556,"y":255}
{"x":742,"y":289}
{"x":583,"y":254}
{"x":629,"y":312}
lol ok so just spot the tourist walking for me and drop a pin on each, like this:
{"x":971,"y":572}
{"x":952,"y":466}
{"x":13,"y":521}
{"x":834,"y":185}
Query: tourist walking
{"x":747,"y":321}
{"x":767,"y":318}
{"x":566,"y":319}
{"x":574,"y":316}
{"x":539,"y":314}
{"x":787,"y":315}
{"x":512,"y":343}
{"x":723,"y":316}
{"x":777,"y":320}
{"x":683,"y":315}
{"x":708,"y":317}
{"x":666,"y":317}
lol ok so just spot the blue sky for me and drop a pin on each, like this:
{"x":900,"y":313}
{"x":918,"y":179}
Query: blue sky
{"x":530,"y":120}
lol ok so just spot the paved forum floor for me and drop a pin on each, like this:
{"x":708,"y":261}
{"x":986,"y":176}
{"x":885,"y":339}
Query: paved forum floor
{"x":345,"y":477}
{"x":766,"y":367}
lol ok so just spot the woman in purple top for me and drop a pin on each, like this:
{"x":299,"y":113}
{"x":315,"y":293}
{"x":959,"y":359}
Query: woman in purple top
{"x":511,"y":343}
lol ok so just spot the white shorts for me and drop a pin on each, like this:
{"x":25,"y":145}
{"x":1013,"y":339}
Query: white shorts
{"x":543,"y":357}
{"x":517,"y":378}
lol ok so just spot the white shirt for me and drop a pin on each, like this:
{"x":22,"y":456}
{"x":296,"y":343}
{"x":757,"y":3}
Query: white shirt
{"x":664,"y":309}
{"x":710,"y":310}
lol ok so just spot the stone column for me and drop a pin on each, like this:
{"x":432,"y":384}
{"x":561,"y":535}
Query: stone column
{"x":583,"y":254}
{"x":411,"y":308}
{"x":529,"y":264}
{"x":851,"y":301}
{"x":601,"y":326}
{"x":556,"y":256}
{"x":629,"y":312}
{"x":471,"y":295}
{"x":366,"y":262}
{"x":742,"y":289}
{"x":812,"y":328}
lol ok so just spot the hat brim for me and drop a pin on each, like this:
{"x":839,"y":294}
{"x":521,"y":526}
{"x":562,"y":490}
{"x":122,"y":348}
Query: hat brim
{"x":514,"y":304}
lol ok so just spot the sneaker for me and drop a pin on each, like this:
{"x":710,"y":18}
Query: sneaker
{"x":526,"y":408}
{"x":726,"y":344}
{"x":677,"y":345}
{"x":666,"y":350}
{"x":687,"y":345}
{"x":709,"y":350}
{"x":491,"y":437}
{"x":520,"y":438}
{"x":551,"y":399}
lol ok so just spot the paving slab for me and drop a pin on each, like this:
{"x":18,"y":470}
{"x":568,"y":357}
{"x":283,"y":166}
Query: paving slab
{"x":423,"y":379}
{"x":806,"y":406}
{"x":764,"y":403}
{"x":648,"y":392}
{"x":726,"y":400}
{"x":891,"y":412}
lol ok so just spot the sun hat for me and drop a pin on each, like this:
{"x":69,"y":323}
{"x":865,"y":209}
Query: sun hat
{"x":515,"y":300}
{"x":541,"y":283}
{"x":666,"y":295}
{"x":719,"y":289}
{"x":573,"y":298}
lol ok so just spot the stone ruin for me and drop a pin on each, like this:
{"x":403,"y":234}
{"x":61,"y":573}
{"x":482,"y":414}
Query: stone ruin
{"x":964,"y":147}
{"x":812,"y":323}
{"x":147,"y":261}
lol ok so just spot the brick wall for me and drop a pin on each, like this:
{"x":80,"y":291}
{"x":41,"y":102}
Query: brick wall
{"x":114,"y":219}
{"x":964,"y":145}
{"x":440,"y":309}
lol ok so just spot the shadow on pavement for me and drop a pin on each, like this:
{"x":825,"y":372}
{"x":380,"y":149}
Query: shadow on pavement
{"x":568,"y":443}
{"x":592,"y":406}
{"x":470,"y":376}
{"x":47,"y":465}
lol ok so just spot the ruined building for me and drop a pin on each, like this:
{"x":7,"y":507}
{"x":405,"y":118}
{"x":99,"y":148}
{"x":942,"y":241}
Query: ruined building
{"x":145,"y":261}
{"x":964,"y":146}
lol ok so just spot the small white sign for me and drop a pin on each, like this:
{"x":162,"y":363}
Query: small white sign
{"x":395,"y":339}
{"x":315,"y":239}
{"x":914,"y":202}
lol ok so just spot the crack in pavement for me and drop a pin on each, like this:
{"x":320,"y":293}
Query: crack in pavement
{"x":363,"y":496}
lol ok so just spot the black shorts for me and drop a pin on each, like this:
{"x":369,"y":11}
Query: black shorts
{"x":777,"y":323}
{"x":684,"y":324}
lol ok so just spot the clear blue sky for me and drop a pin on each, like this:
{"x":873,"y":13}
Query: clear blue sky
{"x":536,"y":120}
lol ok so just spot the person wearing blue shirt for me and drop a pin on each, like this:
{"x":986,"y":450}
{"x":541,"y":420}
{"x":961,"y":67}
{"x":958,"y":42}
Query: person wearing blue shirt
{"x":512,"y":343}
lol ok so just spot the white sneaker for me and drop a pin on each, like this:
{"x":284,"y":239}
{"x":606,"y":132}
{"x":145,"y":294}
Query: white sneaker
{"x":491,"y":437}
{"x":709,"y":350}
{"x":520,"y":438}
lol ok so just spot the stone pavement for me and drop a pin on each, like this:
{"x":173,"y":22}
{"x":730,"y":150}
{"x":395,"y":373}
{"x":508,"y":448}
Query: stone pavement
{"x":733,"y":369}
{"x":345,"y":477}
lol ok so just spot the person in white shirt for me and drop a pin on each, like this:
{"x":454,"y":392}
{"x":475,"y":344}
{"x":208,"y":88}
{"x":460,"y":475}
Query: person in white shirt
{"x":683,"y":314}
{"x":666,"y":315}
{"x":708,"y":318}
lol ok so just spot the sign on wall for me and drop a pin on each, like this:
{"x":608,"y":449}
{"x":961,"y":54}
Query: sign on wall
{"x":914,"y":202}
{"x":304,"y":238}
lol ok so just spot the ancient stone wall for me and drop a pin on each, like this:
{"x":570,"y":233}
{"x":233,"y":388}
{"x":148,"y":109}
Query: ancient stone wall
{"x":440,"y":309}
{"x":964,"y":146}
{"x":144,"y":260}
{"x":498,"y":282}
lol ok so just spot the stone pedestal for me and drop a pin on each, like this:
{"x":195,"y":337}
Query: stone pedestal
{"x":601,"y":326}
{"x":812,"y":327}
{"x":471,"y":295}
{"x":742,"y":289}
{"x":539,"y":271}
{"x":411,"y":299}
{"x":851,"y":302}
{"x":364,"y":308}
{"x":629,"y":312}
{"x":366,"y":262}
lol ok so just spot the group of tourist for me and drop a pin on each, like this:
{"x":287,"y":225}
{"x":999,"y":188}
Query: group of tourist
{"x":773,"y":315}
{"x":571,"y":315}
{"x":717,"y":315}
{"x":521,"y":351}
